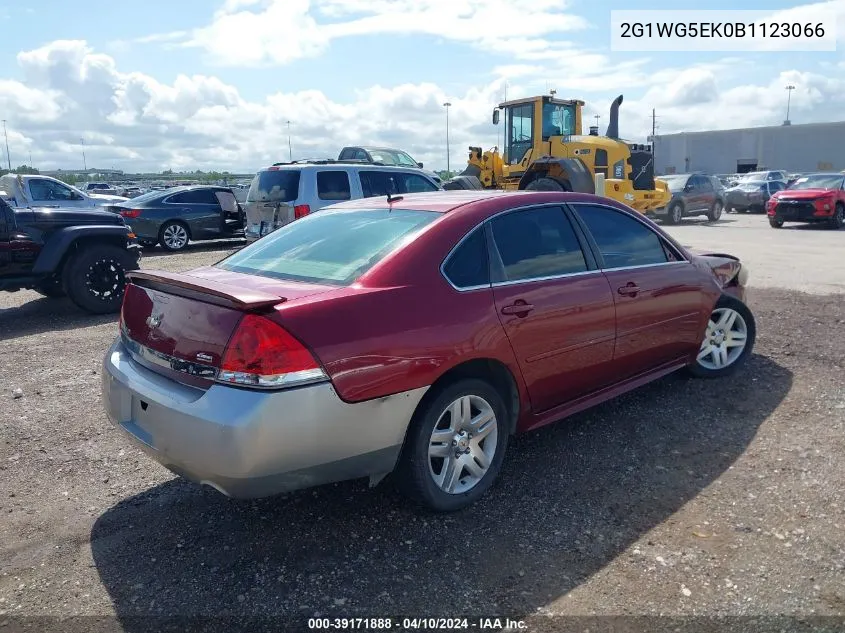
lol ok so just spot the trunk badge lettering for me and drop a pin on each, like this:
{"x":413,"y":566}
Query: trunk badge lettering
{"x":153,"y":321}
{"x":207,"y":358}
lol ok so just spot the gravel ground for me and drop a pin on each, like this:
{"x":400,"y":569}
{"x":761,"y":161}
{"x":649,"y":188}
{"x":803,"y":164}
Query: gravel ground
{"x":687,"y":498}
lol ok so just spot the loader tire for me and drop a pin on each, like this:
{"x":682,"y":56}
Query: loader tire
{"x":463,"y":183}
{"x":545,"y":184}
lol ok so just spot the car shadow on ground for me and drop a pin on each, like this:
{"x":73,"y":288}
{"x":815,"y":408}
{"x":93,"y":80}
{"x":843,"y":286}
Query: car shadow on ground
{"x":43,"y":314}
{"x":570,"y":499}
{"x":223,"y":245}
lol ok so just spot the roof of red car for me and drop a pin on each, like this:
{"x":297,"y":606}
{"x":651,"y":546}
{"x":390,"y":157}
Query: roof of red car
{"x":443,"y":201}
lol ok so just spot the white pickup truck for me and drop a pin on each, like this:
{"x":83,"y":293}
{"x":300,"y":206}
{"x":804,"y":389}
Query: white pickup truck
{"x":44,"y":191}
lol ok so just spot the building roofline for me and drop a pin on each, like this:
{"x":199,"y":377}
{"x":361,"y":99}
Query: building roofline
{"x":754,"y":129}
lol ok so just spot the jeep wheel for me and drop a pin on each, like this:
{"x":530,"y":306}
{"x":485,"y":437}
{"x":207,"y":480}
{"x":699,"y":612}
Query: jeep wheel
{"x":95,"y":277}
{"x":51,"y":287}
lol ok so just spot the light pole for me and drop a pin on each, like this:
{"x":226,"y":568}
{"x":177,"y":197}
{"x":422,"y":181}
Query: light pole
{"x":290,"y":147}
{"x":447,"y":105}
{"x":8,"y":156}
{"x":789,"y":90}
{"x":84,"y":161}
{"x":597,"y":117}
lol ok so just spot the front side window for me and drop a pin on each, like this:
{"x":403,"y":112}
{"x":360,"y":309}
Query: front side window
{"x":537,"y":243}
{"x":558,"y":120}
{"x":622,"y":240}
{"x":414,"y":183}
{"x":330,"y":247}
{"x":333,"y":185}
{"x":42,"y":189}
{"x":196,"y":196}
{"x":467,"y":266}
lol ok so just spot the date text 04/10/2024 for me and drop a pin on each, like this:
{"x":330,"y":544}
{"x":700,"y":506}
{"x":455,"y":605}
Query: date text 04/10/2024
{"x":416,"y":624}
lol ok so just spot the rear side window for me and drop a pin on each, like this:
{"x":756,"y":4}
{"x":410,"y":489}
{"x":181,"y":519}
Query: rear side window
{"x":537,"y":243}
{"x":279,"y":185}
{"x":378,"y":183}
{"x":330,"y":247}
{"x":468,"y":267}
{"x":197,"y":196}
{"x":333,"y":185}
{"x":622,"y":240}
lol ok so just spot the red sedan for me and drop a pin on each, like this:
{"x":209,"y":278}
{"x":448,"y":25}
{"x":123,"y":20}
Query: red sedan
{"x":816,"y":198}
{"x":412,"y":336}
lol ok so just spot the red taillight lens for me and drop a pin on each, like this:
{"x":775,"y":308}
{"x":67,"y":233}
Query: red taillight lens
{"x":130,"y":213}
{"x":262,"y":353}
{"x":300,"y":211}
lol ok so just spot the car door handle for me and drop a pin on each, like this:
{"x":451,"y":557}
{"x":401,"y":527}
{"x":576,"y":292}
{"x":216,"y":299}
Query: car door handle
{"x":519,"y":309}
{"x":630,"y":289}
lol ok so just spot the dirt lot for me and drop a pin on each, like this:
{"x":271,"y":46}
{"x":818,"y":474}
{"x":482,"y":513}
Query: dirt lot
{"x":687,"y":498}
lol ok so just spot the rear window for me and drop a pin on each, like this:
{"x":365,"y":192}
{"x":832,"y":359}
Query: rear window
{"x":329,"y":247}
{"x":278,"y":185}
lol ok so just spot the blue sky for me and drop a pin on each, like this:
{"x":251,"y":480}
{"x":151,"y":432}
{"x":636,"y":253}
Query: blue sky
{"x":202,"y":84}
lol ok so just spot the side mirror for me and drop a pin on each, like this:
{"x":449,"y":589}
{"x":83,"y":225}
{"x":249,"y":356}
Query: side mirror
{"x":420,"y":165}
{"x":687,"y":188}
{"x":76,"y":196}
{"x":496,"y":117}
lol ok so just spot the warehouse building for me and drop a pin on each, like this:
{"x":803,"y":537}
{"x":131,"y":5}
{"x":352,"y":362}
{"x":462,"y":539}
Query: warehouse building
{"x":794,"y":148}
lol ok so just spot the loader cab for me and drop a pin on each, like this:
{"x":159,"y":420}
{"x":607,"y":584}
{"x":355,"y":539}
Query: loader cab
{"x":530,"y":122}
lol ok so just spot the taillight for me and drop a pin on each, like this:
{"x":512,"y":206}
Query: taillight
{"x":300,"y":211}
{"x":262,"y":353}
{"x":130,"y":213}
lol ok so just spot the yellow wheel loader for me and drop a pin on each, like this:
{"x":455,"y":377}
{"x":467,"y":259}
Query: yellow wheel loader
{"x":545,"y":150}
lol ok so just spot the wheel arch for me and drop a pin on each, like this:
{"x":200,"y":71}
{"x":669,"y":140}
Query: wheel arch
{"x":65,"y":242}
{"x":572,"y":173}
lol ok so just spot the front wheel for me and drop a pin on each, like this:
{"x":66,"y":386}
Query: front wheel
{"x":676,"y":213}
{"x":728,"y":339}
{"x":455,"y":446}
{"x":838,"y":219}
{"x":95,"y":277}
{"x":775,"y":223}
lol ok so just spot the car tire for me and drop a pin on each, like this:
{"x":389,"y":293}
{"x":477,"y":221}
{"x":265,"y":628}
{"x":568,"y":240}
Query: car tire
{"x":775,"y":224}
{"x":730,"y":327}
{"x":715,"y":211}
{"x":95,"y":277}
{"x":51,"y":287}
{"x":729,"y":209}
{"x":838,"y":219}
{"x":675,"y":213}
{"x":174,"y":236}
{"x":422,"y":474}
{"x":545,"y":184}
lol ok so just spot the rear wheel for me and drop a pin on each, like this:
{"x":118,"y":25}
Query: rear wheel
{"x":95,"y":277}
{"x":838,"y":219}
{"x":715,"y":211}
{"x":173,"y":236}
{"x":455,"y":446}
{"x":728,"y":339}
{"x":775,"y":223}
{"x":545,"y":184}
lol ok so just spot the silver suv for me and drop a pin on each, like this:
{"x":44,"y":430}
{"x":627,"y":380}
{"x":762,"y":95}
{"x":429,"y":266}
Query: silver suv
{"x":284,"y":192}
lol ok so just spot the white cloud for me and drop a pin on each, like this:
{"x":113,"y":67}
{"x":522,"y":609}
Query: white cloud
{"x":255,"y":32}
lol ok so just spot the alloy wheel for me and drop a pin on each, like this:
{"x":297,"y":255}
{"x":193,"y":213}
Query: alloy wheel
{"x":463,"y":444}
{"x":104,"y":279}
{"x":175,"y":236}
{"x":724,"y":339}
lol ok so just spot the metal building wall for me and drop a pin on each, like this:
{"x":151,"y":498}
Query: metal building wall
{"x":796,"y":148}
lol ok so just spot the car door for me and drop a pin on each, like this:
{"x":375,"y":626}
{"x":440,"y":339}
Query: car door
{"x":199,"y":208}
{"x":697,"y":200}
{"x":657,"y":293}
{"x":7,"y":225}
{"x":49,"y":193}
{"x":556,"y":308}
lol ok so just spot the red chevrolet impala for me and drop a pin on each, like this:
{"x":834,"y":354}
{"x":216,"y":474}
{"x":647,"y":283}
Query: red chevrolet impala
{"x":412,"y":336}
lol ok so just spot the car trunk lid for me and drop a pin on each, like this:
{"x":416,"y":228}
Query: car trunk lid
{"x":179,"y":324}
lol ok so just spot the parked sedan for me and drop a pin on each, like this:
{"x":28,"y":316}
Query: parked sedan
{"x":412,"y":335}
{"x":818,"y":198}
{"x":692,"y":194}
{"x":752,"y":195}
{"x":175,"y":216}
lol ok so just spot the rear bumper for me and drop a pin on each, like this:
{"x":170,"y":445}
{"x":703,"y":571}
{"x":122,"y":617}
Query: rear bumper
{"x":249,"y":443}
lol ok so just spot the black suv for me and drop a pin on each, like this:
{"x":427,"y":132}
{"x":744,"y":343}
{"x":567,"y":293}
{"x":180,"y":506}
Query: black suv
{"x":81,"y":253}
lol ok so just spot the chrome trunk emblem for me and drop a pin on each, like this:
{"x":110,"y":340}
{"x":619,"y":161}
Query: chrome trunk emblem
{"x":153,"y":321}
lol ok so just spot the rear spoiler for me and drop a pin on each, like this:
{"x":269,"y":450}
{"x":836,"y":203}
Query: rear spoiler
{"x":203,"y":289}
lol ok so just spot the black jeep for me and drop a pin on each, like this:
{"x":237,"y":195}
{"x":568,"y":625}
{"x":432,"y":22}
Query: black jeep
{"x":81,"y":253}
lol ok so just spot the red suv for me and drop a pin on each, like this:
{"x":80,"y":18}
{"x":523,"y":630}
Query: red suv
{"x":811,"y":198}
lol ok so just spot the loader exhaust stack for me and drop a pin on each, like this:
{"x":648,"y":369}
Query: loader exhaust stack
{"x":613,"y":125}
